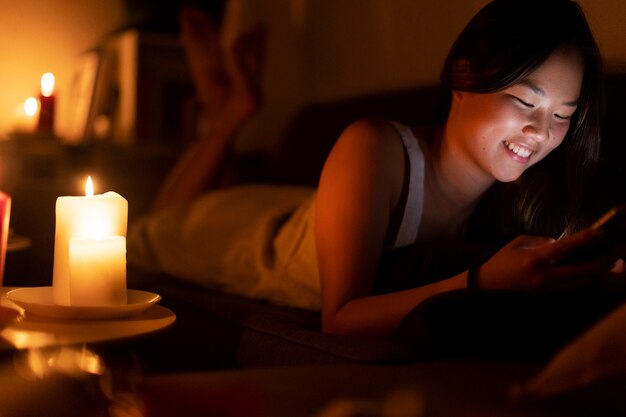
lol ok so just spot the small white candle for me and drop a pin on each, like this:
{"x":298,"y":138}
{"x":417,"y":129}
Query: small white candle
{"x":92,"y":217}
{"x":98,"y":271}
{"x":26,"y":116}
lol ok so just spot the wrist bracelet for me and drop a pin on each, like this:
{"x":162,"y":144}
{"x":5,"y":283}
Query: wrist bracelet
{"x":472,"y":276}
{"x":475,"y":264}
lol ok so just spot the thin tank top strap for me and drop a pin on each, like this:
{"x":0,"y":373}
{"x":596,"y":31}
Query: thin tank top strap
{"x":409,"y":227}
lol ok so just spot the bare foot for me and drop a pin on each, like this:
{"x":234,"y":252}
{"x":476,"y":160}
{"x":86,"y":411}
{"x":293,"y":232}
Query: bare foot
{"x":227,"y":81}
{"x":245,"y":63}
{"x":199,"y":36}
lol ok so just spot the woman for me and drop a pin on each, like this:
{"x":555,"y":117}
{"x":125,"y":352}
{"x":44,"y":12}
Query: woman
{"x":516,"y":149}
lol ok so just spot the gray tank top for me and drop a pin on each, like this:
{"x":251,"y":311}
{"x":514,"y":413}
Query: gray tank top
{"x":409,"y":227}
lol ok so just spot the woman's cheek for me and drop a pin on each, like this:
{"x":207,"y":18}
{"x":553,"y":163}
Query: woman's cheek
{"x":559,"y":131}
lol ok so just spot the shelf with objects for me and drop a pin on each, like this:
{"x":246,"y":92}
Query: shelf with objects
{"x":134,"y":88}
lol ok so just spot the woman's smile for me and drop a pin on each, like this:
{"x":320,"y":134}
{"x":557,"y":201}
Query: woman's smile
{"x":518,"y":151}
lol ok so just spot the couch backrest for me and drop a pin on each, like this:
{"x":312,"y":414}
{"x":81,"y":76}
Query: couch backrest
{"x":299,"y":156}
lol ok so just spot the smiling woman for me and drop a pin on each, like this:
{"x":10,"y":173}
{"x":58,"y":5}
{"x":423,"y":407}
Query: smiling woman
{"x":513,"y":157}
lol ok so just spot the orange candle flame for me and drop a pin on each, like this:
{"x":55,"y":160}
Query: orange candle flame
{"x":47,"y":84}
{"x":89,"y":187}
{"x":31,"y":105}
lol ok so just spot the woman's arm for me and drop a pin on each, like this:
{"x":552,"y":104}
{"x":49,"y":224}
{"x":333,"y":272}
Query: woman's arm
{"x":360,"y":186}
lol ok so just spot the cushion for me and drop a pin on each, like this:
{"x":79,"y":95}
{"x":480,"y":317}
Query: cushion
{"x":224,"y":330}
{"x":502,"y":324}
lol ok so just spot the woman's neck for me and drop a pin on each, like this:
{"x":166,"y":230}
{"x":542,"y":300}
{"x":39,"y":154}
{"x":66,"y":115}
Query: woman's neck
{"x":450,"y":196}
{"x":456,"y":183}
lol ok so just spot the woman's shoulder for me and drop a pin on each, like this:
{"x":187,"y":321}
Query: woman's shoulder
{"x":370,"y":151}
{"x":372,"y":127}
{"x":368,"y":146}
{"x":374,"y":135}
{"x":382,"y":137}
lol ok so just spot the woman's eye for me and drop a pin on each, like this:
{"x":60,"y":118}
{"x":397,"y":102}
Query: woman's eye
{"x":524,"y":103}
{"x":558,"y":116}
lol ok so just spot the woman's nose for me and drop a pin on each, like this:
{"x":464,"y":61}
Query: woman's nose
{"x":538,"y":127}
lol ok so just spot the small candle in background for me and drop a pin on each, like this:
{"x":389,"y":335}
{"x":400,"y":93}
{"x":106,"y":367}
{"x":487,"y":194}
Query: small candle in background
{"x":91,"y":217}
{"x":26,"y":116}
{"x":47,"y":104}
{"x":31,"y":105}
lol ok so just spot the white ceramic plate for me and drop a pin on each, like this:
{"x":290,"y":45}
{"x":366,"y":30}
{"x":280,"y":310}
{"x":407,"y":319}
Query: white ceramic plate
{"x":38,"y":301}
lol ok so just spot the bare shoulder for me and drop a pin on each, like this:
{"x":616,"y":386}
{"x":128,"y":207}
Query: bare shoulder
{"x":368,"y":156}
{"x":375,"y":140}
{"x":379,"y":131}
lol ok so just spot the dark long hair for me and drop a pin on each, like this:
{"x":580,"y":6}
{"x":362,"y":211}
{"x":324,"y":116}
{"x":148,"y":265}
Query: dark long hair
{"x":499,"y":47}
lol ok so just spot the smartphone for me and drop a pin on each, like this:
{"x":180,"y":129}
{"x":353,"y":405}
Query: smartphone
{"x":613,"y":224}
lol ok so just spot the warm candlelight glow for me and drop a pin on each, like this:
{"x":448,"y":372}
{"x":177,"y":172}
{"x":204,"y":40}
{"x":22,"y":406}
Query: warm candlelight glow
{"x":90,"y":249}
{"x":31,"y":105}
{"x":47,"y":84}
{"x":89,"y":187}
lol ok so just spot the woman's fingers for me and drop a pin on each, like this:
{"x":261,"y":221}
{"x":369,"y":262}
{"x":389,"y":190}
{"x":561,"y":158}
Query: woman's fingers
{"x":579,"y":274}
{"x":532,"y":262}
{"x":577,"y":248}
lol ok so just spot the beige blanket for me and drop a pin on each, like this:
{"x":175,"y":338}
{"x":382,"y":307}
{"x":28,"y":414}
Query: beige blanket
{"x":256,"y":241}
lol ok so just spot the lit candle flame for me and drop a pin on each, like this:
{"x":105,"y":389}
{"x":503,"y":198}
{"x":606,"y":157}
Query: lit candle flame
{"x":89,"y":187}
{"x":31,"y":105}
{"x":47,"y":84}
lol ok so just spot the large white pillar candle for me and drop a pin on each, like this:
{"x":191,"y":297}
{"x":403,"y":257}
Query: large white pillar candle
{"x":91,"y":217}
{"x":98,"y":271}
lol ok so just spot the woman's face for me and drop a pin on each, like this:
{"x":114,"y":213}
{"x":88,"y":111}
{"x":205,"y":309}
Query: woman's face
{"x":506,"y":132}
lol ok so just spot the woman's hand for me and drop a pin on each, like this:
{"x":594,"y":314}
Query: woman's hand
{"x":532,"y":262}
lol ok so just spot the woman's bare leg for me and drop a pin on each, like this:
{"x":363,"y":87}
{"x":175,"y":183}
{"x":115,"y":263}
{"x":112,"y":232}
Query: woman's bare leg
{"x":227,"y":83}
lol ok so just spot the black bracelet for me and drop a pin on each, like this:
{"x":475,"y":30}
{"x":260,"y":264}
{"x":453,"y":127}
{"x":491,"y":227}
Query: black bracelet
{"x":476,"y":264}
{"x":472,"y":276}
